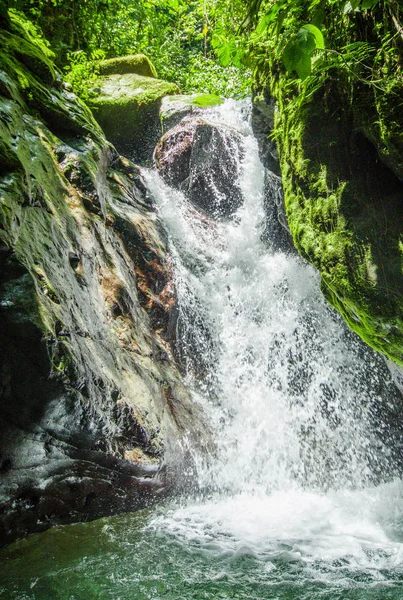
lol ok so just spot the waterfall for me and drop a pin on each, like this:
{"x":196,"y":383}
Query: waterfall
{"x":292,"y":396}
{"x":298,"y":497}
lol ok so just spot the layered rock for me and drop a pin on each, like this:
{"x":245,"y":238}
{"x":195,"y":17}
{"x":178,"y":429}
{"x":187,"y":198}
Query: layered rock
{"x":91,"y":398}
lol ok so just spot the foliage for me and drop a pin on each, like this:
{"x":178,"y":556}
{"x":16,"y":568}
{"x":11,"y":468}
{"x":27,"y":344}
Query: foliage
{"x":298,"y":52}
{"x":206,"y":75}
{"x":178,"y":36}
{"x":82,"y":72}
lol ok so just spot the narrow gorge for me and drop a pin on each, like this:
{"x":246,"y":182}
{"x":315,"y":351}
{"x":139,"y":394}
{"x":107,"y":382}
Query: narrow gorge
{"x":185,"y":414}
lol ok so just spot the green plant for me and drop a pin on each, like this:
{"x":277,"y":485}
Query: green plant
{"x":300,"y":48}
{"x":82,"y":72}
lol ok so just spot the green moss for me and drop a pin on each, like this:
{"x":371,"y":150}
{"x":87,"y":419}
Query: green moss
{"x":205,"y":100}
{"x":125,"y":90}
{"x":134,"y":63}
{"x":127,"y":108}
{"x":340,"y":140}
{"x":345,"y":207}
{"x":24,"y":42}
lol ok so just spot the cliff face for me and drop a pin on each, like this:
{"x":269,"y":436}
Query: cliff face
{"x":91,"y":398}
{"x":340,"y":139}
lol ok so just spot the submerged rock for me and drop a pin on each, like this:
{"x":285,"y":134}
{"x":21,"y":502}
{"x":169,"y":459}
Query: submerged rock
{"x":91,"y":398}
{"x":203,"y":160}
{"x":126,"y":105}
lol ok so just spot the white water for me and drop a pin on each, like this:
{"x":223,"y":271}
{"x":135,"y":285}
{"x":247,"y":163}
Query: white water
{"x":299,"y":470}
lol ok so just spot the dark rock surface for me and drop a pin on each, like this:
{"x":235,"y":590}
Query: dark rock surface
{"x":277,"y":232}
{"x":202,"y":160}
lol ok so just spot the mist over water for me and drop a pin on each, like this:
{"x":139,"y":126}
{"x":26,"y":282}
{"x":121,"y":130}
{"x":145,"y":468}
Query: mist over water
{"x":298,"y":498}
{"x":292,"y":396}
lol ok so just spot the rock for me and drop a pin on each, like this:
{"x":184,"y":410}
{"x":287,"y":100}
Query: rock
{"x":397,"y":374}
{"x":341,"y":159}
{"x":202,"y":160}
{"x":127,"y":108}
{"x":263,"y":125}
{"x":88,"y":381}
{"x":133,"y":63}
{"x":175,"y":108}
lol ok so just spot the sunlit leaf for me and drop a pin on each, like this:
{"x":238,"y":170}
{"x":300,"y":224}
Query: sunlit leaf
{"x":317,"y":34}
{"x":304,"y":67}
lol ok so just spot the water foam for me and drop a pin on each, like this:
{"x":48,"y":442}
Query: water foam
{"x":292,"y":396}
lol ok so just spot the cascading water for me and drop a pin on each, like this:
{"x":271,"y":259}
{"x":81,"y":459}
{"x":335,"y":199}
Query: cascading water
{"x":292,"y":396}
{"x":297,"y":498}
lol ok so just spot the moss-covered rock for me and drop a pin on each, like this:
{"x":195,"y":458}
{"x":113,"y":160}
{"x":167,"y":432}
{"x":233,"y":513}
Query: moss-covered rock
{"x":133,"y":63}
{"x":340,"y":141}
{"x":127,"y":108}
{"x":87,"y":307}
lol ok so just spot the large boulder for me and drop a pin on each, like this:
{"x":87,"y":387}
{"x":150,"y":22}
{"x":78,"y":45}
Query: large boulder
{"x":127,"y":105}
{"x":203,"y":160}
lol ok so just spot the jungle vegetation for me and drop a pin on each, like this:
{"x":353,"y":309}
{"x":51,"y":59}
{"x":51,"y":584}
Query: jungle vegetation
{"x":212,"y":45}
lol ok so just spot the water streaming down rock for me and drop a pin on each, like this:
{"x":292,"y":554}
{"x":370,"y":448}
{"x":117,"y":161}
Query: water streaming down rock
{"x":296,"y":499}
{"x":298,"y":405}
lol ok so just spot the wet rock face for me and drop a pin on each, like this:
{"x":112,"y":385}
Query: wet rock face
{"x":91,"y":399}
{"x":202,"y":160}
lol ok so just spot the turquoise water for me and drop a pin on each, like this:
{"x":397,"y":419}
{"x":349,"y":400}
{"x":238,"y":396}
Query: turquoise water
{"x":131,"y":557}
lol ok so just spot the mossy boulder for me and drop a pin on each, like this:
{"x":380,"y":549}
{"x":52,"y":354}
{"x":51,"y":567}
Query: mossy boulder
{"x":127,"y":108}
{"x":133,"y":63}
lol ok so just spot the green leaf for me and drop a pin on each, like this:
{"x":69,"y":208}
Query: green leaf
{"x":267,"y":19}
{"x":224,"y":54}
{"x":318,"y":17}
{"x":304,"y":67}
{"x":366,"y":4}
{"x":280,"y":20}
{"x":309,"y":45}
{"x":291,"y":56}
{"x":317,"y":34}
